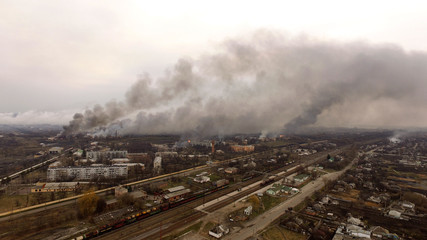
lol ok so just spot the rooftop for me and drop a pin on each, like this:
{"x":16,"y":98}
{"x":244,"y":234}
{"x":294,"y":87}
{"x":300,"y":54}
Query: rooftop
{"x":177,"y":193}
{"x":175,"y":189}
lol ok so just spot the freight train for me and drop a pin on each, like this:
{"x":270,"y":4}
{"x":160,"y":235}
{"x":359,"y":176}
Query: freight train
{"x":148,"y":212}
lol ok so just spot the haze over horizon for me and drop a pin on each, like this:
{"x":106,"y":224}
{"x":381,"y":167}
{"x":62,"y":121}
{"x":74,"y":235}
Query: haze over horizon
{"x":149,"y":69}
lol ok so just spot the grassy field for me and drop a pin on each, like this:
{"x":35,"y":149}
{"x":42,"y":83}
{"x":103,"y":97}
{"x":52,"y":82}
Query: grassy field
{"x":7,"y":203}
{"x":292,"y":235}
{"x":278,"y":233}
{"x":16,"y":201}
{"x":351,"y":195}
{"x":270,"y":202}
{"x":263,"y":204}
{"x":208,"y":226}
{"x":273,"y":233}
{"x":41,"y":224}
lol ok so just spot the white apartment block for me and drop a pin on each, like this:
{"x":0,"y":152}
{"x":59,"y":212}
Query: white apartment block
{"x":95,"y":155}
{"x":86,"y":173}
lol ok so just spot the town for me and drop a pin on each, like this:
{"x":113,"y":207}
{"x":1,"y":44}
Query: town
{"x":363,"y":184}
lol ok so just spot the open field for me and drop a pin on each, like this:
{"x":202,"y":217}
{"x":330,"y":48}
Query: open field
{"x":278,"y":233}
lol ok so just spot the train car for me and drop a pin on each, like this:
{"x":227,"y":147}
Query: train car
{"x":105,"y":228}
{"x":130,"y":219}
{"x":155,"y":211}
{"x":91,"y":234}
{"x":221,"y":183}
{"x":142,"y":216}
{"x":267,"y":181}
{"x":164,"y":206}
{"x":119,"y":223}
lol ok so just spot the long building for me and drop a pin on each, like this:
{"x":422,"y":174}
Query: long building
{"x":86,"y":173}
{"x":95,"y":155}
{"x":243,"y":148}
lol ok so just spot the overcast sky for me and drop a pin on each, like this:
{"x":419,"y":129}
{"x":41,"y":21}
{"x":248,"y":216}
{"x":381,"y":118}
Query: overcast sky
{"x":58,"y":57}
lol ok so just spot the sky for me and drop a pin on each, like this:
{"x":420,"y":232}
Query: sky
{"x":63,"y":57}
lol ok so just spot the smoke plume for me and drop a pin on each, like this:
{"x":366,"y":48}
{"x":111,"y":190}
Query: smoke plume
{"x":268,"y":81}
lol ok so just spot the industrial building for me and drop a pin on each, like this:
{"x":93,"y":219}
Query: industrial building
{"x":56,"y":150}
{"x":86,"y":173}
{"x":56,"y":187}
{"x":176,"y":193}
{"x":243,"y":148}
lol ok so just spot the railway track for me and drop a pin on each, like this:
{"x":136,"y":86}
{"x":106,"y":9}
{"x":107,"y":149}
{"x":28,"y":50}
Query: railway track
{"x":169,"y":218}
{"x":23,"y":211}
{"x":166,"y":222}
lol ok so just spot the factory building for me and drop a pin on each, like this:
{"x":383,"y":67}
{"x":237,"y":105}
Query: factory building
{"x":86,"y":173}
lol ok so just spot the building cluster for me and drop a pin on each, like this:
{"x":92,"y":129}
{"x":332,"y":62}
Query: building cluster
{"x":386,"y":186}
{"x":202,"y":178}
{"x":355,"y":229}
{"x":297,"y":180}
{"x":304,"y":151}
{"x":280,"y":190}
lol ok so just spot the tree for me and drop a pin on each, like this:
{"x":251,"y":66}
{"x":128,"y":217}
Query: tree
{"x":101,"y":205}
{"x":87,"y":204}
{"x":52,"y":196}
{"x":255,"y":202}
{"x":126,"y":199}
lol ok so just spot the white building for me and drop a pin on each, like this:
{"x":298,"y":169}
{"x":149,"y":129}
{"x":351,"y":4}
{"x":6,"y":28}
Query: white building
{"x":408,"y":205}
{"x":248,"y":210}
{"x":202,"y":179}
{"x":301,"y":178}
{"x":55,"y":150}
{"x":86,"y":173}
{"x":95,"y":155}
{"x":394,"y":213}
{"x":130,"y":165}
{"x":157,"y":164}
{"x":219,"y":231}
{"x":119,"y":160}
{"x":120,"y":190}
{"x":166,"y":154}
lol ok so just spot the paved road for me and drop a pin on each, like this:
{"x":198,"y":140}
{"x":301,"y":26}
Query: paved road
{"x":262,"y":221}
